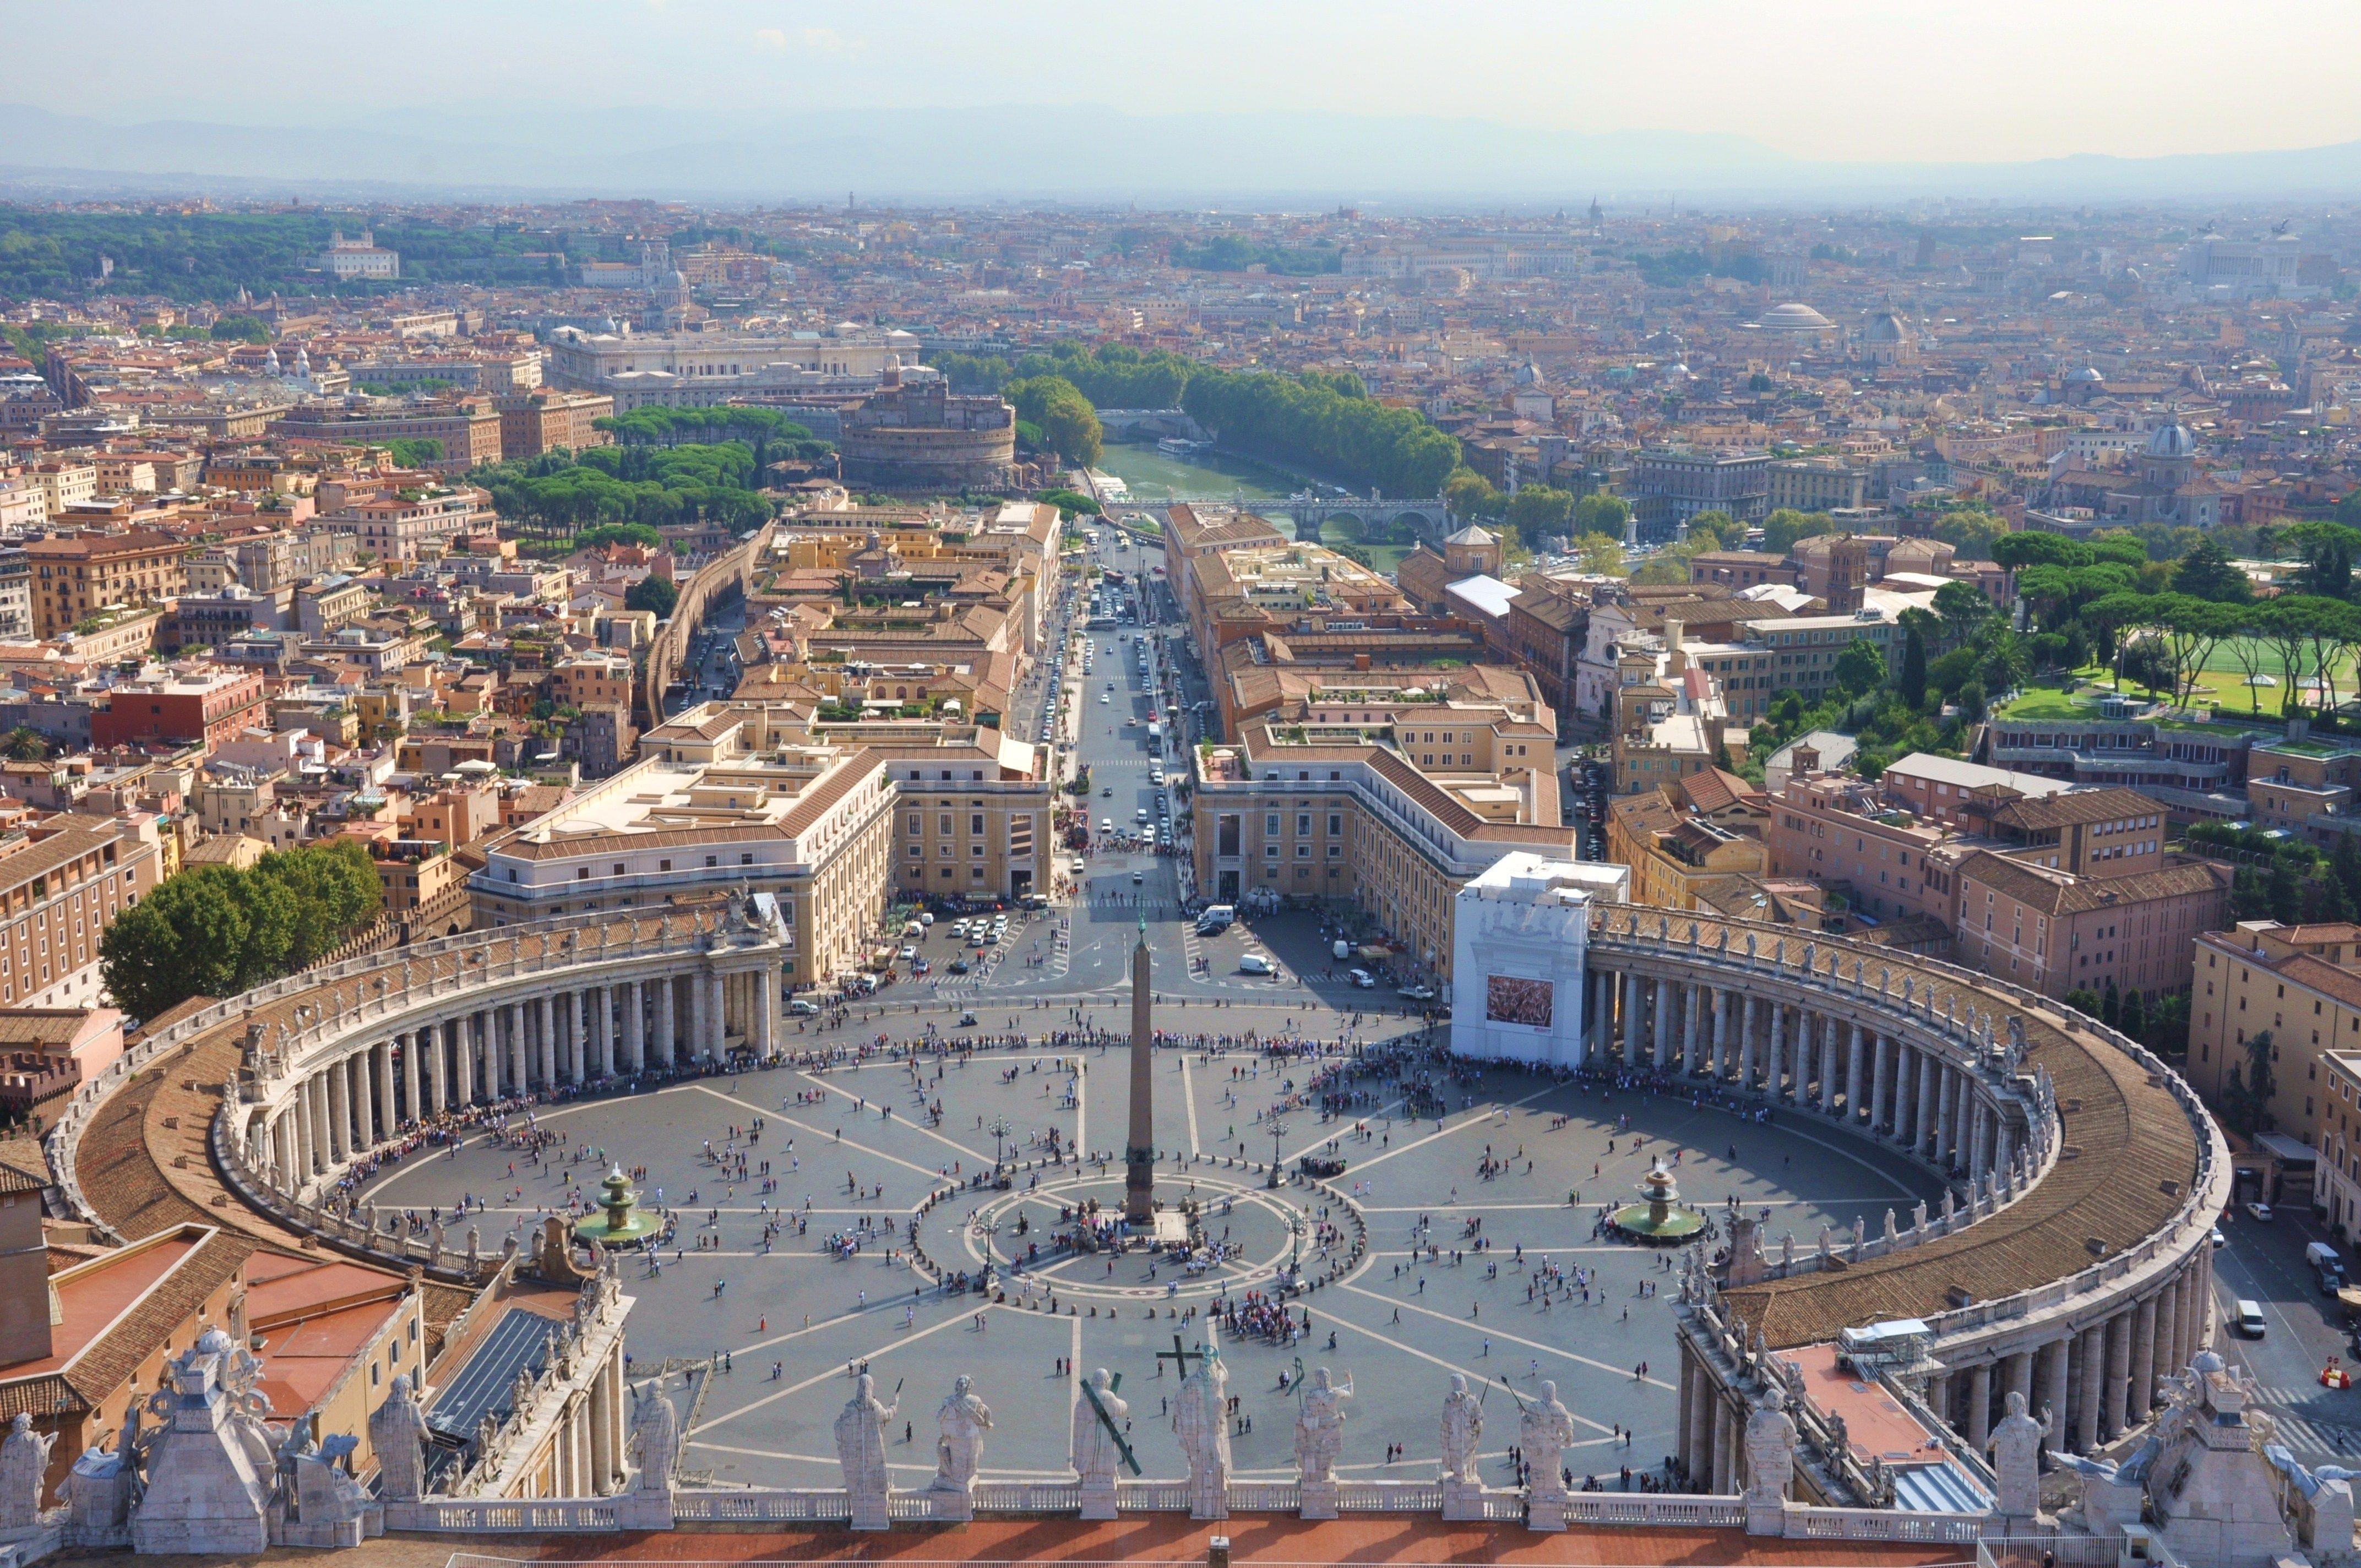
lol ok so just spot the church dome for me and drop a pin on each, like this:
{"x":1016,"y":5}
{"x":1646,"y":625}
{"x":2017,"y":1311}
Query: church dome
{"x":1796,"y":317}
{"x":1885,"y":326}
{"x":2171,"y":441}
{"x":2087,"y":375}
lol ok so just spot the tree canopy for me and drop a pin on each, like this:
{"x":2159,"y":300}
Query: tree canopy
{"x":1056,"y":407}
{"x":213,"y":931}
{"x":1309,"y":423}
{"x":561,"y":492}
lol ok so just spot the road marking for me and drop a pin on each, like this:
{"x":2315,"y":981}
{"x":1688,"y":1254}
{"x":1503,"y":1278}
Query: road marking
{"x":1475,"y":1118}
{"x":836,"y":1140}
{"x":1510,"y":1338}
{"x":1188,"y":1098}
{"x":912,"y":1126}
{"x":958,"y":1321}
{"x":1469,"y":1373}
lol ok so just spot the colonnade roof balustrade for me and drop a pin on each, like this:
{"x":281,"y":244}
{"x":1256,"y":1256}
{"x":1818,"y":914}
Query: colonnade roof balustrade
{"x":132,"y":1147}
{"x":2140,"y":1168}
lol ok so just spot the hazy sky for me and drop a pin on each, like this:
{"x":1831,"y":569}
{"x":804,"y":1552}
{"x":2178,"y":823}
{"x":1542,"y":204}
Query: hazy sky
{"x":1830,"y":79}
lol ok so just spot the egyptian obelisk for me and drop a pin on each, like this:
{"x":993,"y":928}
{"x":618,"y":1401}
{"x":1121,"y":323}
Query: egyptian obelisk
{"x":1140,"y":1147}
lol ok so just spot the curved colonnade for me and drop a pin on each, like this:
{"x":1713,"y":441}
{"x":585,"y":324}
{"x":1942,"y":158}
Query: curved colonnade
{"x":2072,"y":1259}
{"x":341,"y":1061}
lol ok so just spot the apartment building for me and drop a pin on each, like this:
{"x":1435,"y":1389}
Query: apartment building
{"x":1191,"y":535}
{"x":706,"y":812}
{"x":1841,"y":832}
{"x":2052,"y":931}
{"x":469,"y":431}
{"x":2121,"y":740}
{"x":63,"y":881}
{"x":1250,"y":589}
{"x":1672,"y":484}
{"x":404,"y":525}
{"x":544,"y":419}
{"x":2305,"y":786}
{"x":198,"y":706}
{"x":1815,"y":484}
{"x":1688,"y":841}
{"x":2302,"y":986}
{"x":75,"y":575}
{"x":596,"y":677}
{"x":972,"y":806}
{"x":1938,"y":788}
{"x":1389,"y":819}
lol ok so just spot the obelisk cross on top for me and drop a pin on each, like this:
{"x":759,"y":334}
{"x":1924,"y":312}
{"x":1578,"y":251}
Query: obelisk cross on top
{"x":1140,"y":1147}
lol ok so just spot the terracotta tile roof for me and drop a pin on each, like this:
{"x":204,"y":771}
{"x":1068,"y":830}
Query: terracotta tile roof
{"x":2132,"y":1158}
{"x":2052,"y":892}
{"x":2075,"y":808}
{"x":176,"y":1298}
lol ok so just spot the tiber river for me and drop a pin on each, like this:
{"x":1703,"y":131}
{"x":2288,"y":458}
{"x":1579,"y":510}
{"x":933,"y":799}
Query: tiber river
{"x":1154,"y":478}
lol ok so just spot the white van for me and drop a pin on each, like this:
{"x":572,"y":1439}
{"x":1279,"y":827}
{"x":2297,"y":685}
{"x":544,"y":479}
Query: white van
{"x":2248,"y":1319}
{"x":1363,"y":979}
{"x":1255,"y":963}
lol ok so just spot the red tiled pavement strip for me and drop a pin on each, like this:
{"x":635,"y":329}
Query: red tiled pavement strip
{"x":1167,"y":1538}
{"x":1162,"y":1540}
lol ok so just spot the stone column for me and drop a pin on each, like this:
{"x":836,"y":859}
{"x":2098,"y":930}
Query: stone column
{"x":340,"y":1113}
{"x":717,"y":1020}
{"x":767,"y":1010}
{"x":283,"y":1149}
{"x":299,"y":1113}
{"x":2112,"y":1408}
{"x":1829,"y":1027}
{"x":1663,"y":1024}
{"x":1923,"y":1129}
{"x":316,"y":1120}
{"x":1979,"y":1405}
{"x":466,"y":1049}
{"x":516,"y":1075}
{"x":414,"y":1104}
{"x":1630,"y":1019}
{"x":383,"y":1052}
{"x":2054,"y":1370}
{"x":1746,"y":1041}
{"x":1878,"y":1078}
{"x":2167,"y":1334}
{"x":602,"y":1451}
{"x":635,"y":1029}
{"x":2016,"y":1378}
{"x":1941,"y":1396}
{"x":1685,"y":1414}
{"x":1721,"y":1034}
{"x":1854,"y":1084}
{"x":1976,"y":1125}
{"x":1772,"y":1086}
{"x":545,"y":1040}
{"x":667,"y":1022}
{"x":2091,"y":1374}
{"x":581,"y":1011}
{"x":364,"y":1109}
{"x":2142,"y":1360}
{"x":602,"y":1018}
{"x":494,"y":1050}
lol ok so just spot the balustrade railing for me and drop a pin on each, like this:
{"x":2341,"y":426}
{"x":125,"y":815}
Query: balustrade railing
{"x":1880,"y":1524}
{"x":767,"y":1506}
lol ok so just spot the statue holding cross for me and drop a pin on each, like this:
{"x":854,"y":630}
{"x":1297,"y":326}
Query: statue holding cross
{"x":1099,"y":1447}
{"x":1201,"y":1419}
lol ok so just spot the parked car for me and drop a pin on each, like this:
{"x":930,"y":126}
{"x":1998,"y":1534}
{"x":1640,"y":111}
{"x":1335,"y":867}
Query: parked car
{"x":2259,"y":1212}
{"x":957,"y":966}
{"x":801,"y":1007}
{"x":1251,"y":963}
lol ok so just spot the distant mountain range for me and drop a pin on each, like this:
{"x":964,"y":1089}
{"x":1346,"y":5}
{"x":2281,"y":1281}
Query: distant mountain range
{"x":1064,"y":153}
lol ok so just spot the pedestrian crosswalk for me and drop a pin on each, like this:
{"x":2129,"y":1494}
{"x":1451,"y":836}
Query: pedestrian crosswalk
{"x":2316,"y":1432}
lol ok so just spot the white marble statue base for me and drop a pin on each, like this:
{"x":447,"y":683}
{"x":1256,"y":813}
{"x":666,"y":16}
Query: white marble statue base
{"x":950,"y":1503}
{"x":1098,"y":1500}
{"x":1316,"y":1500}
{"x":870,"y":1512}
{"x":1462,"y":1499}
{"x":1545,"y":1510}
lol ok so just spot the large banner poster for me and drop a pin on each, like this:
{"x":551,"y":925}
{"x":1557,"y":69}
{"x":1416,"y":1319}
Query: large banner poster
{"x":1512,"y":999}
